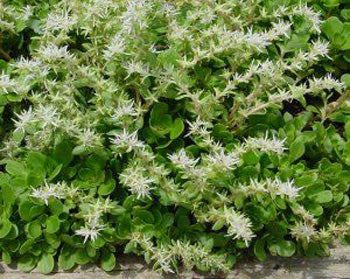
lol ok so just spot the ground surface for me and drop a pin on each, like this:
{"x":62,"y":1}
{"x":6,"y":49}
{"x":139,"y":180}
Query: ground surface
{"x":335,"y":267}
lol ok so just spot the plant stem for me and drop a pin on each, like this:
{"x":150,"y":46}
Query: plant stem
{"x":5,"y":54}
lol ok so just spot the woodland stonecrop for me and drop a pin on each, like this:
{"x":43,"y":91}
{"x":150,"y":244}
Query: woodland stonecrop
{"x":191,"y":132}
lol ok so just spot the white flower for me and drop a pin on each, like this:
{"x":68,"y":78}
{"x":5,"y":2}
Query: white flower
{"x":93,"y":211}
{"x":280,"y":28}
{"x":127,"y":141}
{"x":198,"y":175}
{"x":27,"y":12}
{"x":145,"y":154}
{"x":153,"y":49}
{"x":59,"y":21}
{"x":116,"y":46}
{"x":274,"y":187}
{"x":297,"y":91}
{"x":136,"y":67}
{"x":47,"y":115}
{"x":257,"y":40}
{"x":163,"y":257}
{"x":282,"y":95}
{"x":178,"y":32}
{"x":319,"y":48}
{"x":266,"y":145}
{"x":50,"y":190}
{"x":198,"y":127}
{"x":285,"y":188}
{"x":123,"y":110}
{"x":89,"y":138}
{"x":255,"y":186}
{"x":134,"y":177}
{"x":89,"y":232}
{"x":213,"y":145}
{"x":103,"y":206}
{"x":238,"y":225}
{"x":222,"y":160}
{"x":52,"y":52}
{"x":135,"y":15}
{"x":303,"y":231}
{"x":170,"y":10}
{"x":6,"y":83}
{"x":28,"y":64}
{"x":181,"y":160}
{"x":24,"y":119}
{"x":309,"y":14}
{"x":326,"y":83}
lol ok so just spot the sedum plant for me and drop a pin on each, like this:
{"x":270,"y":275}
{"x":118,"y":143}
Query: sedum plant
{"x":191,"y":132}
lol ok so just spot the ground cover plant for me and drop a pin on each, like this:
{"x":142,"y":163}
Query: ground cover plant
{"x":191,"y":132}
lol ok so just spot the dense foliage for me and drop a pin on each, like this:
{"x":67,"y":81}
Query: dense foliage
{"x":192,"y":132}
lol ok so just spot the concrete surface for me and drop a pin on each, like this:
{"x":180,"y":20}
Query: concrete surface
{"x":337,"y":266}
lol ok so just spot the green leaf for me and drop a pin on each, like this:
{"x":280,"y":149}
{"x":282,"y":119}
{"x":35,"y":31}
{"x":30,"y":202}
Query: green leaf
{"x":117,"y":209}
{"x":168,"y":220}
{"x":332,"y":27}
{"x":24,"y":208}
{"x":259,"y":250}
{"x":79,"y":150}
{"x":296,"y":149}
{"x":53,"y":240}
{"x":26,"y":246}
{"x":46,"y":263}
{"x":107,"y":187}
{"x":14,"y":232}
{"x":16,"y":168}
{"x":35,"y":178}
{"x":81,"y":256}
{"x":218,"y":225}
{"x":344,"y":39}
{"x":52,"y":224}
{"x":323,"y":196}
{"x":346,"y":151}
{"x":56,"y":206}
{"x":346,"y":80}
{"x":6,"y":257}
{"x":331,"y":3}
{"x":314,"y":208}
{"x":34,"y":229}
{"x":182,"y":221}
{"x":97,"y":161}
{"x":62,"y":153}
{"x":161,"y":125}
{"x":28,"y":210}
{"x":55,"y":172}
{"x":160,"y":122}
{"x":36,"y":161}
{"x":250,"y":157}
{"x":168,"y":57}
{"x":36,"y":210}
{"x":66,"y":259}
{"x":297,"y":42}
{"x":8,"y":194}
{"x":345,"y":13}
{"x":86,"y":174}
{"x":285,"y":248}
{"x":108,"y":261}
{"x":177,"y":128}
{"x":124,"y":226}
{"x":18,"y":135}
{"x":26,"y":262}
{"x":5,"y":228}
{"x":144,"y":215}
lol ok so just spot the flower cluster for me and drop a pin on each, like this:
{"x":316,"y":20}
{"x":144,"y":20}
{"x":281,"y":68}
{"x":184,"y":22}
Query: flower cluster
{"x":59,"y":191}
{"x":187,"y":131}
